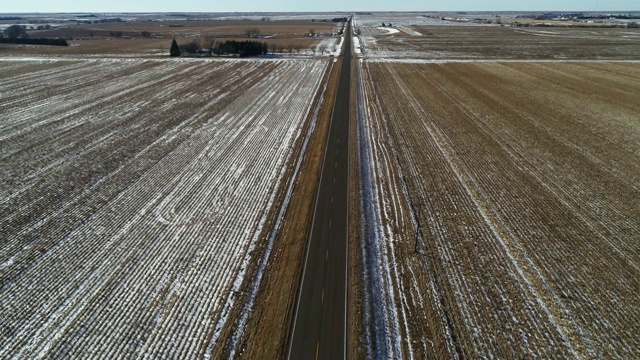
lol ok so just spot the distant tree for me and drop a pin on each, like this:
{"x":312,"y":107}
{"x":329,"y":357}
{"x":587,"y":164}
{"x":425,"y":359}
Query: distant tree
{"x":191,"y":47}
{"x":16,"y":31}
{"x":265,"y":18}
{"x":117,"y":34}
{"x":252,"y":32}
{"x":243,"y":48}
{"x":312,"y":32}
{"x":208,"y":42}
{"x":175,"y":49}
{"x":146,"y":34}
{"x":322,"y":48}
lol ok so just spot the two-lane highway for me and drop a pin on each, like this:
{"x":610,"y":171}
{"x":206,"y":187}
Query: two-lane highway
{"x":319,"y":324}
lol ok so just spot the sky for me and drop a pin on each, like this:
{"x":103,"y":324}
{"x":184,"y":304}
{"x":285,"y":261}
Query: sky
{"x":14,"y":6}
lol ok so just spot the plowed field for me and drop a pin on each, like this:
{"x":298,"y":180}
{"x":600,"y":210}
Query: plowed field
{"x":501,"y":209}
{"x":135,"y":195}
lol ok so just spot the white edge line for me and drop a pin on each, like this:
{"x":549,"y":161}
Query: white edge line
{"x":313,"y":221}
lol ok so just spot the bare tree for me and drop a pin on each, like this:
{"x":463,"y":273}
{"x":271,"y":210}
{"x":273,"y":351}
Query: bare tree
{"x":312,"y":32}
{"x":207,"y":42}
{"x":322,"y":48}
{"x":16,"y":31}
{"x":252,"y":32}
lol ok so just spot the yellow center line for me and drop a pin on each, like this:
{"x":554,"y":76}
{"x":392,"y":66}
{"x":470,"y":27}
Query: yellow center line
{"x":329,"y":223}
{"x":322,"y":296}
{"x":317,"y":349}
{"x":326,"y":256}
{"x":332,"y":199}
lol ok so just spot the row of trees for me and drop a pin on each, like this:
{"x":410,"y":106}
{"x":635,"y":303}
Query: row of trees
{"x":242,"y":48}
{"x":208,"y":46}
{"x":17,"y":34}
{"x":35,"y":41}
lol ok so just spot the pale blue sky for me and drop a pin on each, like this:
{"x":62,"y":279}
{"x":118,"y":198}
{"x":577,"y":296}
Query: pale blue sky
{"x":9,"y":6}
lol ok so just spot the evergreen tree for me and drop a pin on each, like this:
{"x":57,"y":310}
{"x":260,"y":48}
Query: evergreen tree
{"x":175,"y":49}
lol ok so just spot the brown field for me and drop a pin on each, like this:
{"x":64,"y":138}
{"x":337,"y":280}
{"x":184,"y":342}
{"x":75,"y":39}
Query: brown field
{"x":497,"y":215}
{"x":494,"y":42}
{"x":90,"y":39}
{"x":138,"y":197}
{"x":505,"y":220}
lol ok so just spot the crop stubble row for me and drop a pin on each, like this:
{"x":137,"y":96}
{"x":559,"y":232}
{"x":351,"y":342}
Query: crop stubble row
{"x":520,"y":182}
{"x":494,"y":42}
{"x":133,"y":193}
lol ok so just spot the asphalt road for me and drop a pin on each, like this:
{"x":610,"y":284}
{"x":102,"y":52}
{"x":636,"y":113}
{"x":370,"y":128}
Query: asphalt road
{"x":319,"y":325}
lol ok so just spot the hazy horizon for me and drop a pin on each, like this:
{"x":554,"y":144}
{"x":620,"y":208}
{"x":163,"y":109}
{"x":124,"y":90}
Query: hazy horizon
{"x":136,"y":6}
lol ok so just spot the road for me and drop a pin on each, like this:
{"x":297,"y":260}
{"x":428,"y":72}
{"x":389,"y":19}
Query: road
{"x":319,"y":324}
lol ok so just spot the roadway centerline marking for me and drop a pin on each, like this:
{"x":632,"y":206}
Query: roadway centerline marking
{"x":329,"y":223}
{"x":326,"y":256}
{"x":332,"y":199}
{"x":322,"y":296}
{"x":317,"y":349}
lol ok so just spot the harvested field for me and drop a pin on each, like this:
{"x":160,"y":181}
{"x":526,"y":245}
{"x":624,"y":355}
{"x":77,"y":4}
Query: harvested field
{"x":135,"y":194}
{"x":97,"y":39}
{"x":500,"y":209}
{"x":494,"y":42}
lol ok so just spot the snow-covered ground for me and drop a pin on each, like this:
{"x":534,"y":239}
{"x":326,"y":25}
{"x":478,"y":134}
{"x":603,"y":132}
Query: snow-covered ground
{"x":330,"y":46}
{"x":356,"y":45}
{"x":389,"y":31}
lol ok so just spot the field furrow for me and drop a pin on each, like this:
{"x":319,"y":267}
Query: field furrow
{"x":520,"y":180}
{"x":132,"y":204}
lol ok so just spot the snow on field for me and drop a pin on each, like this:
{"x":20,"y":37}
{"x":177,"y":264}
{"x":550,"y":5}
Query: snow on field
{"x":409,"y":30}
{"x":484,"y":237}
{"x":389,"y":31}
{"x":134,"y":194}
